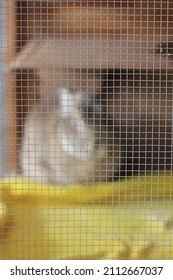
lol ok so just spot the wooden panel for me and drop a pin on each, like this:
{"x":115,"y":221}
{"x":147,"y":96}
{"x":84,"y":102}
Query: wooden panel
{"x":95,"y":17}
{"x":68,"y":51}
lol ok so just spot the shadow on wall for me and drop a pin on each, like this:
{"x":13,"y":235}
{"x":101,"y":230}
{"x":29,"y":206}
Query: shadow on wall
{"x":3,"y":88}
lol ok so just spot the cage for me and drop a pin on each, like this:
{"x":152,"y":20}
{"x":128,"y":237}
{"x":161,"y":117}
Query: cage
{"x":87,"y":153}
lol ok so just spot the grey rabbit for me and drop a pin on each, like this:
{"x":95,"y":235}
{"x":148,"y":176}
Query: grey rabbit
{"x":68,"y":140}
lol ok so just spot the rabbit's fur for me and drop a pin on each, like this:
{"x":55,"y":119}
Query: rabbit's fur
{"x":67,"y":140}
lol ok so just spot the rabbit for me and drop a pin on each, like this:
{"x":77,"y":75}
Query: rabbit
{"x":67,"y":140}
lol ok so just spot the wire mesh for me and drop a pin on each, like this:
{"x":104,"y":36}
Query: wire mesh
{"x":86,"y":129}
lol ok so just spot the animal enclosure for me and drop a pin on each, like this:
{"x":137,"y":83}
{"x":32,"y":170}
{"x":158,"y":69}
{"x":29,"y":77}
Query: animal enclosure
{"x":90,"y":108}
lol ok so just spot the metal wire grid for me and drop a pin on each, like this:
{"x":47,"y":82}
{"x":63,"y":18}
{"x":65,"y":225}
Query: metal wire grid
{"x":93,"y":104}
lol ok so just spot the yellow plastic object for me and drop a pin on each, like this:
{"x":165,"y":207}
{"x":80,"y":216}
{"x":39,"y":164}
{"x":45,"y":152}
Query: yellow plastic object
{"x":130,"y":219}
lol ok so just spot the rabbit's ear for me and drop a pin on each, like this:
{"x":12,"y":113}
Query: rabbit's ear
{"x":67,"y":101}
